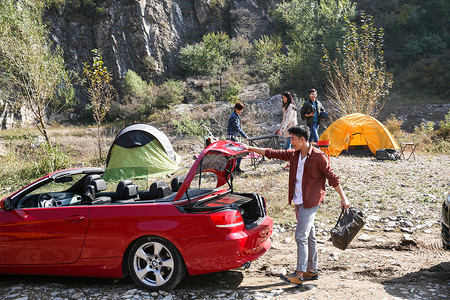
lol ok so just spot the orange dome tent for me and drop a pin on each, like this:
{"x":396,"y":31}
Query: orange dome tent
{"x":357,"y":130}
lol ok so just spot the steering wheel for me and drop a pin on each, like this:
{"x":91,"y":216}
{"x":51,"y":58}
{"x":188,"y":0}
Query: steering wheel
{"x":46,"y":200}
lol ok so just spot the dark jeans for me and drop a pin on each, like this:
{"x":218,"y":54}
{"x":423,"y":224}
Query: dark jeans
{"x":238,"y":160}
{"x":314,"y":136}
{"x":287,"y":144}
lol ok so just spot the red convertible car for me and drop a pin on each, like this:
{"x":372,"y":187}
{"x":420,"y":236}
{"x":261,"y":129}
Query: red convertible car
{"x":70,"y":223}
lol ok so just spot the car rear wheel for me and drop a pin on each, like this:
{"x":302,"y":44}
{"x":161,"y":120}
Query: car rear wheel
{"x":155,"y":264}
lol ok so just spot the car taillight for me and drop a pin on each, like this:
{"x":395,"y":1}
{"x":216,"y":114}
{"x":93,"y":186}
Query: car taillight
{"x":226,"y":219}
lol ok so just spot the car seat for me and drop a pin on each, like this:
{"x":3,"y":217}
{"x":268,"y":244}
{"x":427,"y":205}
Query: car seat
{"x":126,"y":192}
{"x":176,"y":183}
{"x":159,"y":189}
{"x":94,"y":184}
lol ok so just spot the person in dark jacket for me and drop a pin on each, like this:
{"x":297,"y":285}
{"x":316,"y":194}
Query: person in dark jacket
{"x":310,"y":112}
{"x":234,"y":130}
{"x":310,"y":168}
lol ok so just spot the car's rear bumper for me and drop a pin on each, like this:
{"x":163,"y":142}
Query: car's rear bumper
{"x":220,"y":253}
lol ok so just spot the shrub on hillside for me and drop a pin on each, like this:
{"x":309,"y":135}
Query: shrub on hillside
{"x":170,"y":93}
{"x":444,"y":130}
{"x":434,"y":140}
{"x":190,"y":127}
{"x":212,"y":56}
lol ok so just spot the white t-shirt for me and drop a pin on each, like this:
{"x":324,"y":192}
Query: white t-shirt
{"x":298,"y":193}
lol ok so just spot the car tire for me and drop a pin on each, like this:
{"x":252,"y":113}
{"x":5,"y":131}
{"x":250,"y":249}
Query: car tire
{"x":155,"y":264}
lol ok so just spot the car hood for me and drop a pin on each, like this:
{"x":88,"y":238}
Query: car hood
{"x":218,"y":158}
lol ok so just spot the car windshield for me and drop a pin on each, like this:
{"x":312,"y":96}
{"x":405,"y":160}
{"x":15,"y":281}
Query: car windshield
{"x":59,"y":185}
{"x":63,"y":190}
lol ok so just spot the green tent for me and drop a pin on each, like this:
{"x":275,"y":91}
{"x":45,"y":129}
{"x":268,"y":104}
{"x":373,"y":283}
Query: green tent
{"x":140,"y":151}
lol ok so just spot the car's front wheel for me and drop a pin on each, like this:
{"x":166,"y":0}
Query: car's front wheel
{"x":155,"y":264}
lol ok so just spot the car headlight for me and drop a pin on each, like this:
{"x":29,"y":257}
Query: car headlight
{"x":447,"y":200}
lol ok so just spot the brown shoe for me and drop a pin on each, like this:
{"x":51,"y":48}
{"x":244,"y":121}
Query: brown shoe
{"x":293,"y":279}
{"x":309,"y":275}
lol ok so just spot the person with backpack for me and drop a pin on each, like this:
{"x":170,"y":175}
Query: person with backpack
{"x":311,"y":113}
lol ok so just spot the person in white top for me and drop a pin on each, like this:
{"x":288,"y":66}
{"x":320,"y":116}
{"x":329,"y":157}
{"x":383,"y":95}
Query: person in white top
{"x":289,"y":119}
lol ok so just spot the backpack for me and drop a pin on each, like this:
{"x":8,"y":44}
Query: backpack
{"x":387,"y":154}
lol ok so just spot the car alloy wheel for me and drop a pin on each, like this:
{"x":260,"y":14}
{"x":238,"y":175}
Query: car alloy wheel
{"x":155,"y":264}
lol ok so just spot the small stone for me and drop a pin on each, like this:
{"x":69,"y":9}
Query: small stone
{"x":288,"y":240}
{"x":364,"y":237}
{"x":279,"y":271}
{"x":78,"y":296}
{"x":391,"y":224}
{"x":407,"y":229}
{"x":219,"y":295}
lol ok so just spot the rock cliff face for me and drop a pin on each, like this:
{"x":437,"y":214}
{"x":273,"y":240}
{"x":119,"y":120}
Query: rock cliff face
{"x":146,"y":35}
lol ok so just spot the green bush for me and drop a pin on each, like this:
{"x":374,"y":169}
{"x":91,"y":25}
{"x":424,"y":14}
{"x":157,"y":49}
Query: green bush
{"x":267,"y":60}
{"x":208,"y":95}
{"x":230,"y":93}
{"x":428,"y":44}
{"x":444,"y":131}
{"x":169,"y":93}
{"x":134,"y":85}
{"x":190,"y":127}
{"x":50,"y":158}
{"x":21,"y":165}
{"x":212,"y":56}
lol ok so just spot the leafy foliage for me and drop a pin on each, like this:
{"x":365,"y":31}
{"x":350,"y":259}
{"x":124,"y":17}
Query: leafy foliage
{"x":32,"y":69}
{"x":97,"y":83}
{"x":309,"y":24}
{"x":212,"y":56}
{"x":416,"y":44}
{"x":267,"y":59}
{"x":170,"y":93}
{"x":358,"y":81}
{"x":22,"y":164}
{"x":190,"y":127}
{"x":134,"y":85}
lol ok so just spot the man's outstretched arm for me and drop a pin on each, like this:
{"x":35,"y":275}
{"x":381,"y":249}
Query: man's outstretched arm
{"x":260,"y":151}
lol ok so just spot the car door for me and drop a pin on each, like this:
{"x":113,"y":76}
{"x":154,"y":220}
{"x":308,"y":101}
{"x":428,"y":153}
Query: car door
{"x":40,"y":236}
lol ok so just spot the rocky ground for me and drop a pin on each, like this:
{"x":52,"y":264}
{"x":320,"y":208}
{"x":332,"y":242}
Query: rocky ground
{"x":397,"y":255}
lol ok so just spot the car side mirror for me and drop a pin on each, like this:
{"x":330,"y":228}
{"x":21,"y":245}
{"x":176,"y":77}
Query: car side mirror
{"x":5,"y":204}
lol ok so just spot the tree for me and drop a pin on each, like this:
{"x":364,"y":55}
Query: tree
{"x":32,"y":69}
{"x":309,"y":24}
{"x":357,"y":80}
{"x":267,"y":59}
{"x":210,"y":57}
{"x":97,"y":83}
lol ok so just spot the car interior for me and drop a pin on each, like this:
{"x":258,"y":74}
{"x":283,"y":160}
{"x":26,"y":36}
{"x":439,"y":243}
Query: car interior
{"x":93,"y":190}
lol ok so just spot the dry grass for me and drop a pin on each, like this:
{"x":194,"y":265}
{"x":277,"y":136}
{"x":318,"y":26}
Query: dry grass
{"x":389,"y":189}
